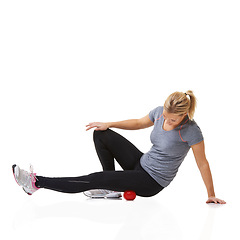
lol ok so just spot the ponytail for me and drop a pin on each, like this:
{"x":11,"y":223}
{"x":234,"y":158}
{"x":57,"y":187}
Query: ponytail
{"x":193,"y":103}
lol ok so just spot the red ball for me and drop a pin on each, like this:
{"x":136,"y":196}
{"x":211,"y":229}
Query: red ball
{"x":129,"y":195}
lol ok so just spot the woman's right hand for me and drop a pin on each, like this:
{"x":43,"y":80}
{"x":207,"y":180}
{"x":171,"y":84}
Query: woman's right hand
{"x":99,"y":126}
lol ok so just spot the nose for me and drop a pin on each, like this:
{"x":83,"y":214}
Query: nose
{"x":168,"y":121}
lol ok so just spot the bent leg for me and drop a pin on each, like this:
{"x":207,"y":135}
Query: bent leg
{"x":111,"y":145}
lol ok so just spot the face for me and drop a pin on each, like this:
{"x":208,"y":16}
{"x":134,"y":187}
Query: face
{"x":171,"y":119}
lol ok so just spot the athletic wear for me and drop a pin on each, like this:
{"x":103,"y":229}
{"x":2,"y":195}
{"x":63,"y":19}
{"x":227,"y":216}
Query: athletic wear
{"x":145,"y":174}
{"x":109,"y":145}
{"x":169,"y":147}
{"x":136,"y":180}
{"x":25,"y":179}
{"x":101,"y":193}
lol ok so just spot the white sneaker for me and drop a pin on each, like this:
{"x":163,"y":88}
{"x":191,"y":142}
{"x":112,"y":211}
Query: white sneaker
{"x":102,"y":193}
{"x":25,"y":179}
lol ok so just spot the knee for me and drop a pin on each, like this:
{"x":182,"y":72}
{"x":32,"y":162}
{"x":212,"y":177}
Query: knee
{"x":97,"y":135}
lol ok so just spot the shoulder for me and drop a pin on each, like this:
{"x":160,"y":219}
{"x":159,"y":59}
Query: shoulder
{"x":192,"y":133}
{"x":158,"y":109}
{"x":192,"y":125}
{"x":156,"y":113}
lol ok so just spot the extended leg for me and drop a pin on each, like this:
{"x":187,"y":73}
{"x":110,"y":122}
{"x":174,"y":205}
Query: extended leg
{"x":135,"y":180}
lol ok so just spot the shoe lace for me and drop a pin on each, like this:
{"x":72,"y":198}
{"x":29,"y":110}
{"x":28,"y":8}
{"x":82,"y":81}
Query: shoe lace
{"x":32,"y":175}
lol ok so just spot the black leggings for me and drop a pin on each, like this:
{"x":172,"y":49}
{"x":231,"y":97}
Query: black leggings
{"x":109,"y":146}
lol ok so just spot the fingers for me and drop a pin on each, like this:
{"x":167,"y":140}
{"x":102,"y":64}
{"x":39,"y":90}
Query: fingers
{"x":221,"y":201}
{"x":90,"y":126}
{"x":217,"y":200}
{"x":93,"y":125}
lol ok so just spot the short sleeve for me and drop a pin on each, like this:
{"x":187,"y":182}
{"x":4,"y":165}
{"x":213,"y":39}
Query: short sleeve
{"x":155,"y":113}
{"x":194,"y":135}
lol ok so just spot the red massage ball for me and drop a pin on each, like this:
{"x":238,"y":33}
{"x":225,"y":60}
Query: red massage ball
{"x":129,"y":195}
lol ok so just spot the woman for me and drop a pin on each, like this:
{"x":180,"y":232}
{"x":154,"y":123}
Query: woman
{"x":174,"y":133}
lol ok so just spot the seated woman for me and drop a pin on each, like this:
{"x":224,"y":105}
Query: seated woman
{"x":174,"y":133}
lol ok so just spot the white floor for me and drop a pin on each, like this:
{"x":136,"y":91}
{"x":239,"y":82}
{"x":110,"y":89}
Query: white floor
{"x":48,"y":214}
{"x":67,"y":63}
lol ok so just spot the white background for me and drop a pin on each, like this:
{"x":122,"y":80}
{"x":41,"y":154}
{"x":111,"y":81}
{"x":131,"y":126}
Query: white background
{"x":64,"y":64}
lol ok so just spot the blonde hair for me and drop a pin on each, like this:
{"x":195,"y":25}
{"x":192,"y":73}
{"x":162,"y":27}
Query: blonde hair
{"x":179,"y":103}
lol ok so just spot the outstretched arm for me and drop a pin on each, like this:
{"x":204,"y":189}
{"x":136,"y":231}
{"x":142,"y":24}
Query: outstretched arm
{"x":203,"y":165}
{"x":131,"y":124}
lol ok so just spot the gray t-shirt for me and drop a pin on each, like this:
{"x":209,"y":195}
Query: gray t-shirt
{"x":169,"y":147}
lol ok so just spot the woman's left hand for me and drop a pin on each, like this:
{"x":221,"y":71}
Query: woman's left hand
{"x":215,"y":200}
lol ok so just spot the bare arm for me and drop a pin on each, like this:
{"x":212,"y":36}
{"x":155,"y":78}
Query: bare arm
{"x":203,"y":165}
{"x":131,"y":124}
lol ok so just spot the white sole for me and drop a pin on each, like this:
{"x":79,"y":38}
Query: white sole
{"x":110,"y":196}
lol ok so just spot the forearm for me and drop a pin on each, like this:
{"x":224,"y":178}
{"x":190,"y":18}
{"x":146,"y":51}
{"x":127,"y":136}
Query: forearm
{"x":131,"y":124}
{"x":207,"y":178}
